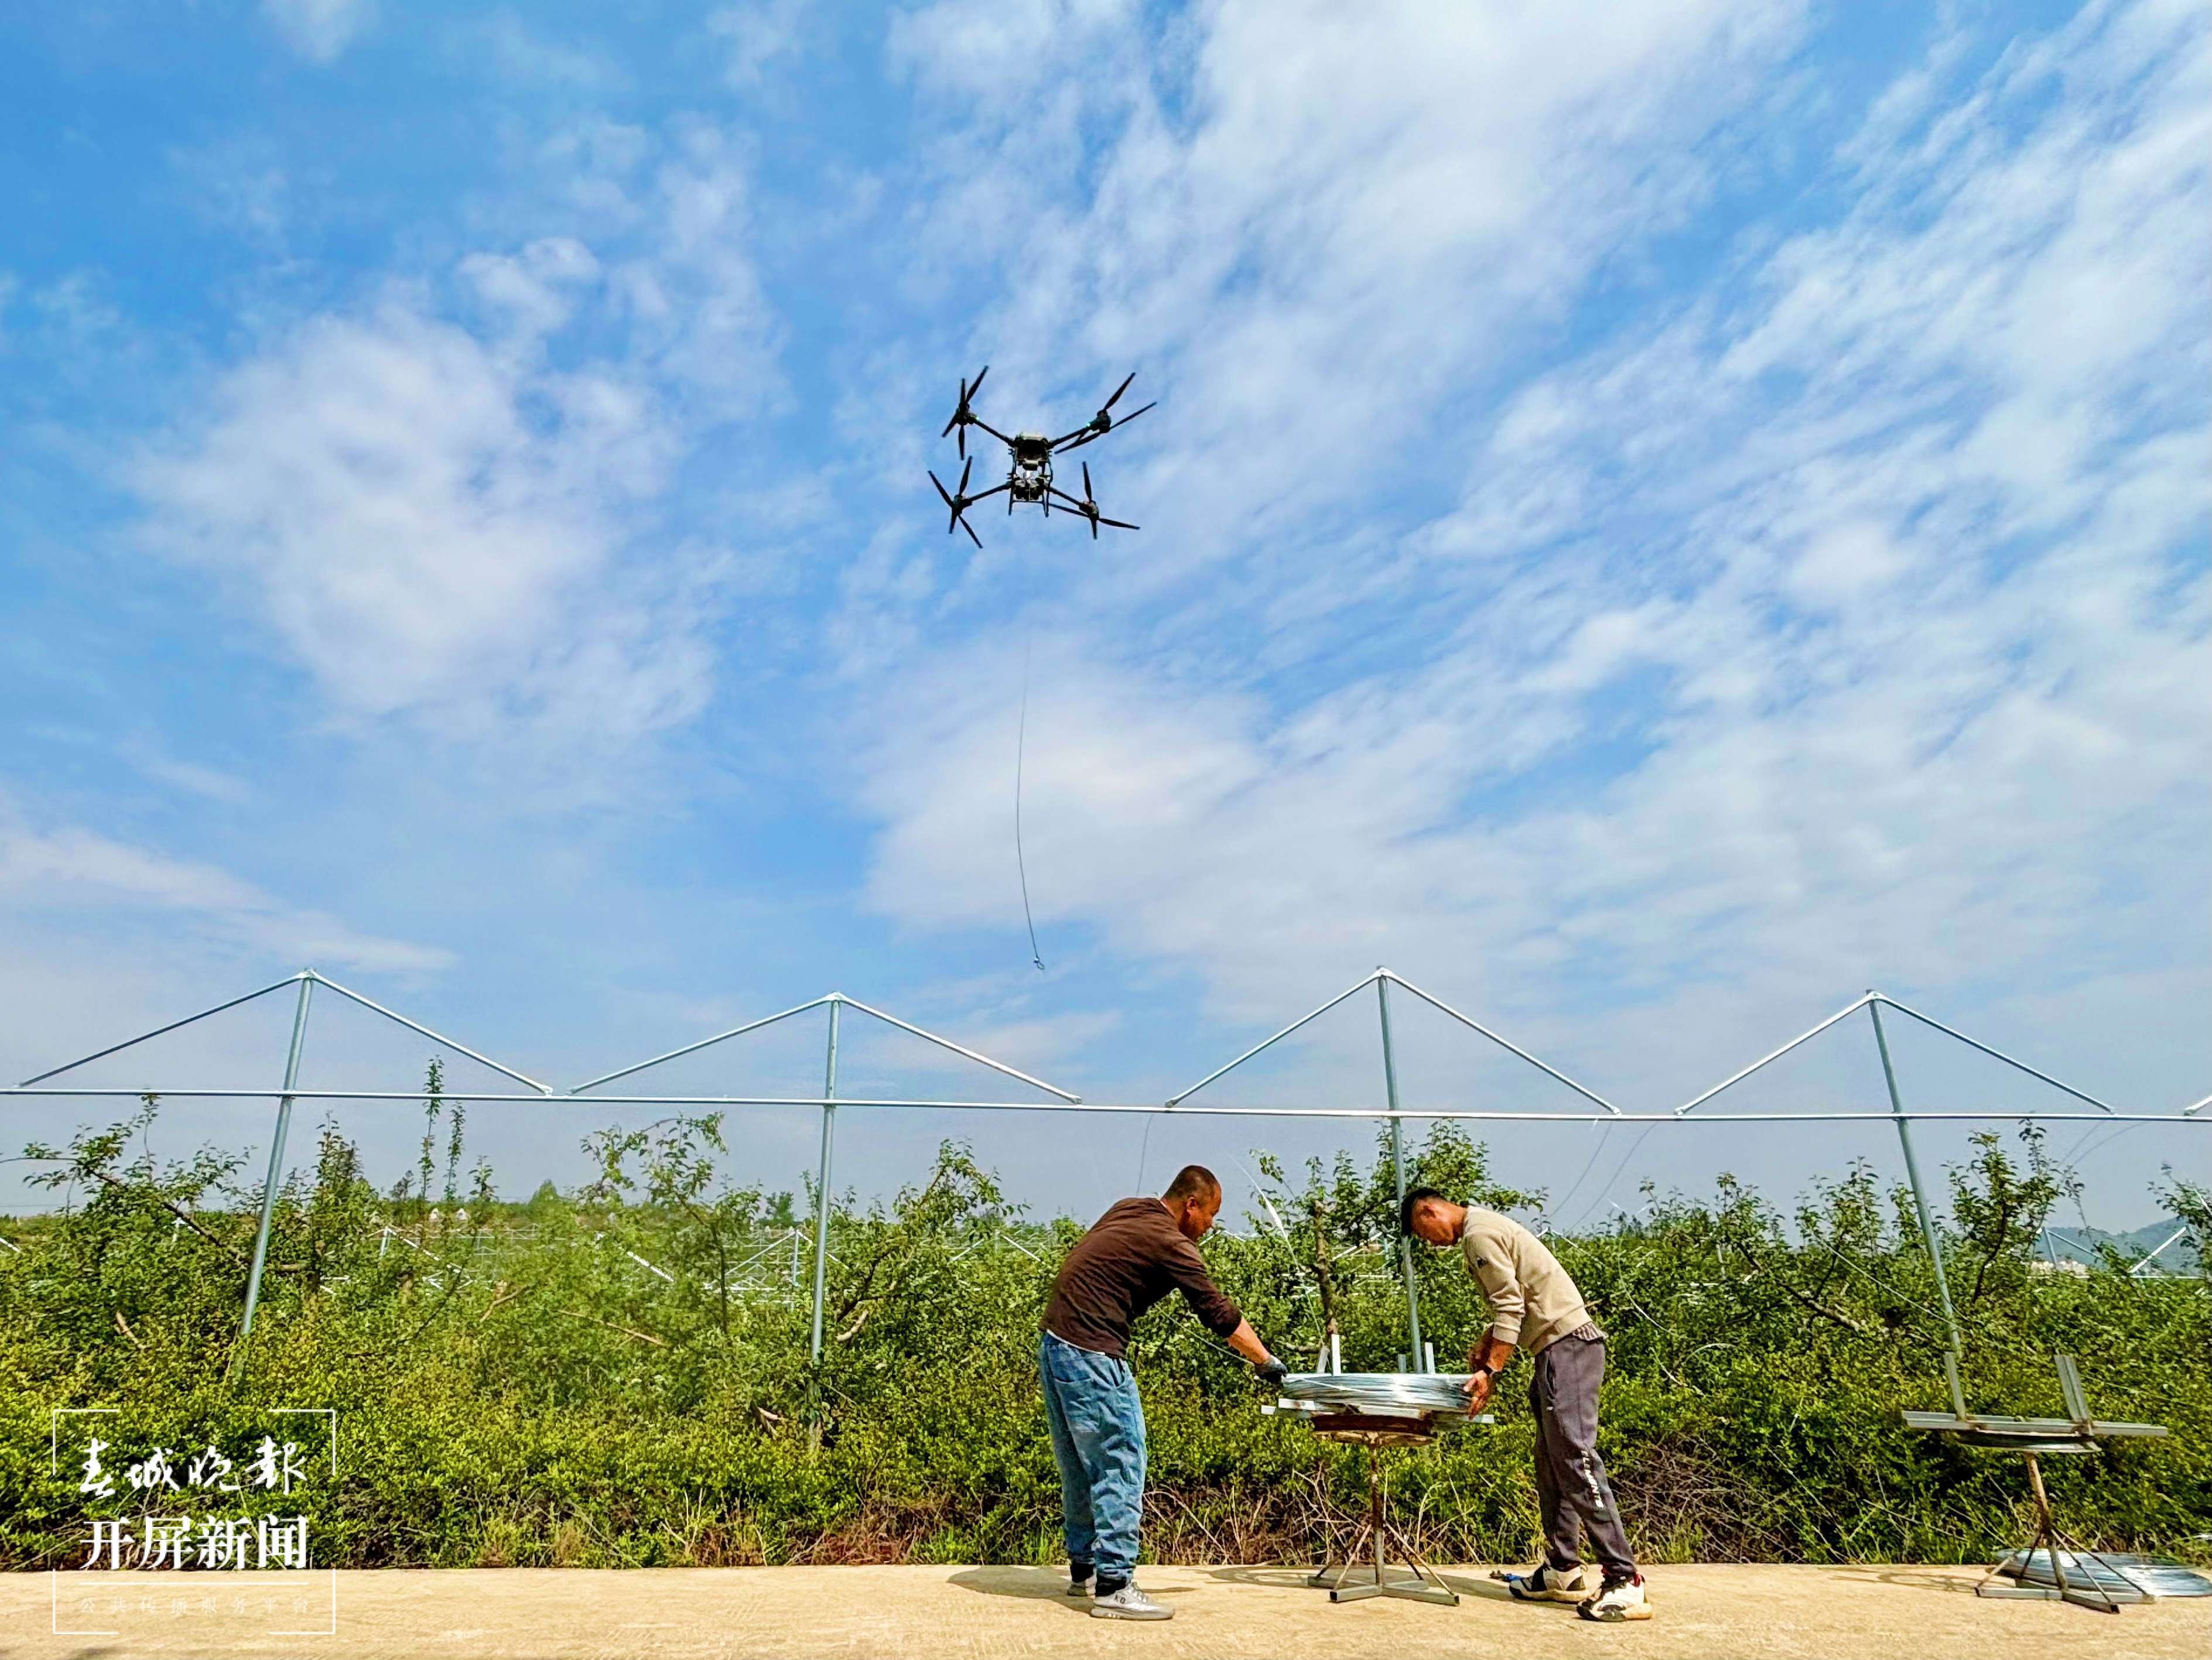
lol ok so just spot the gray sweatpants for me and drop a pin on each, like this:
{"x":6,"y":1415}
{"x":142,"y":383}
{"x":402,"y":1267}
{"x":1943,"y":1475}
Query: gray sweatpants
{"x":1572,"y":1489}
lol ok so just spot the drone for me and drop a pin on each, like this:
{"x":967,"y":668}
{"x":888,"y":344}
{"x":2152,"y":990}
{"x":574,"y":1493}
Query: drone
{"x":1029,"y":476}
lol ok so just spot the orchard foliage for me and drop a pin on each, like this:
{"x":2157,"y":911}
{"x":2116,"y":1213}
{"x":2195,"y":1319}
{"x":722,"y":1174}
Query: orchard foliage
{"x":620,"y":1375}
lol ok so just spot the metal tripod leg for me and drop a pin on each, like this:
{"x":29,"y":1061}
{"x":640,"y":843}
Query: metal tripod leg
{"x":1378,"y":1539}
{"x":2091,"y":1594}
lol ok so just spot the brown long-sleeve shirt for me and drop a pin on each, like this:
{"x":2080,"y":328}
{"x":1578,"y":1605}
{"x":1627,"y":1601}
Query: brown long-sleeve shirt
{"x":1132,"y":1257}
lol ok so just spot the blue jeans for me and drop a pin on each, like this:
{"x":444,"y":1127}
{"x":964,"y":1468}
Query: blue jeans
{"x":1098,"y":1441}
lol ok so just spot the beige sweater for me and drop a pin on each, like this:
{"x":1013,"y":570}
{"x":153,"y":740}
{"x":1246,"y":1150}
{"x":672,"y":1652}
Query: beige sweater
{"x":1533,"y":1301}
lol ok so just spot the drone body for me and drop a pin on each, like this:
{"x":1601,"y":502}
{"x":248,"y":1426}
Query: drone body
{"x":1029,"y":464}
{"x":1029,"y":476}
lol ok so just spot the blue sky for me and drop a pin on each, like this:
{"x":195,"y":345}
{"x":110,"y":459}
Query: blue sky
{"x":1657,"y":520}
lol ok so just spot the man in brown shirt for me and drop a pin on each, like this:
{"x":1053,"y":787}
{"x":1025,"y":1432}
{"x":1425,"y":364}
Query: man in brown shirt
{"x":1535,"y":1305}
{"x":1134,"y":1255}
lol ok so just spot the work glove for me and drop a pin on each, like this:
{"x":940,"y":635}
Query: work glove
{"x":1274,"y":1373}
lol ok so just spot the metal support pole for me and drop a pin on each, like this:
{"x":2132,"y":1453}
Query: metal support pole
{"x":276,"y":1155}
{"x":1912,"y":1175}
{"x":822,"y":1184}
{"x":1398,"y":1163}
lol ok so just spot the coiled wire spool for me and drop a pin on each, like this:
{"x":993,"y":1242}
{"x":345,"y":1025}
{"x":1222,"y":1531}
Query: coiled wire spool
{"x":1383,"y":1394}
{"x":2117,"y":1573}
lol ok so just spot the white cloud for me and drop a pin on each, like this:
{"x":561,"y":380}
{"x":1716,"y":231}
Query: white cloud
{"x":1310,"y":225}
{"x":244,"y":186}
{"x":538,"y":289}
{"x":756,"y":36}
{"x":693,"y":300}
{"x":430,"y":524}
{"x":462,"y":525}
{"x":522,"y":56}
{"x":318,"y":30}
{"x":76,"y":870}
{"x":206,"y":782}
{"x":1838,"y":564}
{"x":1878,"y":575}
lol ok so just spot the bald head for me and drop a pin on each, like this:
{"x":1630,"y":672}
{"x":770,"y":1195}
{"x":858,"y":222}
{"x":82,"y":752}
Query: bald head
{"x":1191,"y":1199}
{"x":1194,"y":1181}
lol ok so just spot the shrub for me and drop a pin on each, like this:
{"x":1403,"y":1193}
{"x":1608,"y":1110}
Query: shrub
{"x":621,"y":1376}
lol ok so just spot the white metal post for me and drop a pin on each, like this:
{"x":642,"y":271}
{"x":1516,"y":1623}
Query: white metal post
{"x":1912,"y":1175}
{"x":276,"y":1154}
{"x":821,"y":1183}
{"x":1398,"y":1164}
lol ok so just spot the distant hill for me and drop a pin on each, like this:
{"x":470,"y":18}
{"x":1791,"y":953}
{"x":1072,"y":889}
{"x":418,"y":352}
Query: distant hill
{"x":2087,"y":1245}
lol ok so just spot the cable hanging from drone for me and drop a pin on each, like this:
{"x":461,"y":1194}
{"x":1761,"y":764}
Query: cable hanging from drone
{"x":1029,"y":469}
{"x":1021,"y":858}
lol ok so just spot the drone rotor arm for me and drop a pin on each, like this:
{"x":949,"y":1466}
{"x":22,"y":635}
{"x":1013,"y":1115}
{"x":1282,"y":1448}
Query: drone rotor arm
{"x":978,"y":421}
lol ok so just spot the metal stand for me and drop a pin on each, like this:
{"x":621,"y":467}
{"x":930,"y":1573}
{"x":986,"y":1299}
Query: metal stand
{"x":2090,"y":1593}
{"x":1398,"y":1167}
{"x":822,"y":1232}
{"x":2034,"y":1438}
{"x":1377,"y":1540}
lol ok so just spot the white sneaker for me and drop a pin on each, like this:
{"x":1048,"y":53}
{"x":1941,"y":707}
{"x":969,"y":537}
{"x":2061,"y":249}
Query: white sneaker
{"x":1550,"y":1584}
{"x":1616,"y":1599}
{"x":1128,"y":1603}
{"x":1078,"y":1591}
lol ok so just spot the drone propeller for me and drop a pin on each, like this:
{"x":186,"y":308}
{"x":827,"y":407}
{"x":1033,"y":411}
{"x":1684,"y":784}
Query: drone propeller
{"x":965,"y":498}
{"x":957,"y":502}
{"x":962,"y":416}
{"x":1104,"y":421}
{"x":1089,"y":505}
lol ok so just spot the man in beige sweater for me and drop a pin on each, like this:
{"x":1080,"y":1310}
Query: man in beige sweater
{"x":1535,"y":1305}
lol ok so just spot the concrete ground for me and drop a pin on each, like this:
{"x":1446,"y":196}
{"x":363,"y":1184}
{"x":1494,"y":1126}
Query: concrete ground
{"x":1009,"y":1614}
